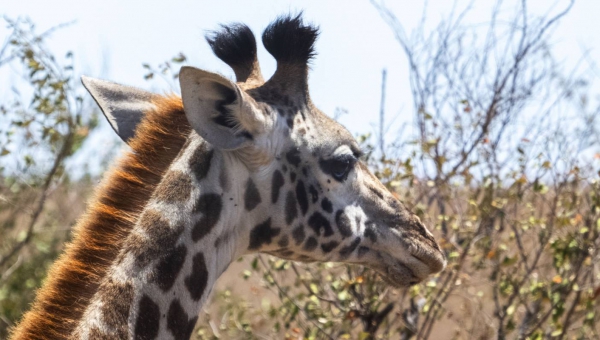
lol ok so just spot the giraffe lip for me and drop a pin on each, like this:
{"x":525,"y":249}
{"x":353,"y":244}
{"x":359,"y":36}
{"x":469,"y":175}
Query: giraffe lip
{"x":423,"y":258}
{"x":435,"y":261}
{"x":398,"y":275}
{"x":402,"y":268}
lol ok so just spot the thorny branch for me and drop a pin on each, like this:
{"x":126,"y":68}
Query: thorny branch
{"x":44,"y":194}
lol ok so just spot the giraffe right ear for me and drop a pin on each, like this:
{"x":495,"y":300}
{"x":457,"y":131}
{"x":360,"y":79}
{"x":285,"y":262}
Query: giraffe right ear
{"x":218,"y":110}
{"x":123,"y":106}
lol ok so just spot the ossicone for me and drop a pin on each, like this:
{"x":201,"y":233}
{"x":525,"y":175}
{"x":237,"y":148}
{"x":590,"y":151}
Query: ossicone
{"x":291,"y":42}
{"x":235,"y":44}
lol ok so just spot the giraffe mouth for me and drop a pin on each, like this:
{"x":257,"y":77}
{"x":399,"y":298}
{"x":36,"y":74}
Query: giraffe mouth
{"x":403,"y":264}
{"x":398,"y":275}
{"x":403,"y":267}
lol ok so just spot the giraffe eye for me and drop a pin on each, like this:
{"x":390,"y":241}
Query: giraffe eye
{"x":338,"y":167}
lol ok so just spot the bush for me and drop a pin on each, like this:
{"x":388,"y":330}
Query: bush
{"x":39,"y":134}
{"x":503,"y":167}
{"x":510,"y":189}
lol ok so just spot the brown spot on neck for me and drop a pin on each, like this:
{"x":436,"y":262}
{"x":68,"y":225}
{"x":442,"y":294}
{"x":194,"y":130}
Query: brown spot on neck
{"x":176,"y":187}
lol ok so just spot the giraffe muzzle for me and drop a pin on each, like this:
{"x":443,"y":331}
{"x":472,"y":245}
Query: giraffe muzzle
{"x":425,"y":256}
{"x":407,"y":255}
{"x":402,"y":270}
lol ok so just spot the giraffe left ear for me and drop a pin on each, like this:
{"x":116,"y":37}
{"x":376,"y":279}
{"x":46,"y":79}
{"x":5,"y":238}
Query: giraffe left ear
{"x":123,"y":106}
{"x":218,"y":110}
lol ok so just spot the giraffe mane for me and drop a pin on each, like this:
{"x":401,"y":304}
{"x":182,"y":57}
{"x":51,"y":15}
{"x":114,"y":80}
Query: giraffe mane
{"x":110,"y":217}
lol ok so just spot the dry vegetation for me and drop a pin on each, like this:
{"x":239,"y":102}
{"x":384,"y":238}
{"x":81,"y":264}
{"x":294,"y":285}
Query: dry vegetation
{"x":503,"y":166}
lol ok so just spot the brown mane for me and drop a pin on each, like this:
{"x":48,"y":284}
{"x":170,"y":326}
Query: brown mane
{"x":74,"y":277}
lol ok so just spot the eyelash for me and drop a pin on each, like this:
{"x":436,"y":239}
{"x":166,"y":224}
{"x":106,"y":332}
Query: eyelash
{"x":339,"y":167}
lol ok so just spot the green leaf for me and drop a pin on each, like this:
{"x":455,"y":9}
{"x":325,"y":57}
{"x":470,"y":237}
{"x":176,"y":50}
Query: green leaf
{"x":179,"y":58}
{"x":363,"y":336}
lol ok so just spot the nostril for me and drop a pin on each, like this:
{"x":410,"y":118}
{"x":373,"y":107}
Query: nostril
{"x":394,"y":203}
{"x":413,"y":283}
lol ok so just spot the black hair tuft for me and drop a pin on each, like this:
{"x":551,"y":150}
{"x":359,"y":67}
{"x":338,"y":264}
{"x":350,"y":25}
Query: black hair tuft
{"x":289,"y":40}
{"x":234,"y":44}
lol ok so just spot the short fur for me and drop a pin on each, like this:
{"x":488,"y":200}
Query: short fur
{"x":98,"y":236}
{"x":289,"y":40}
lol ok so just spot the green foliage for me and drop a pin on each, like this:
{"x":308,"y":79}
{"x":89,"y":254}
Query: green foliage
{"x":168,"y":71}
{"x":39,"y":132}
{"x":512,"y":197}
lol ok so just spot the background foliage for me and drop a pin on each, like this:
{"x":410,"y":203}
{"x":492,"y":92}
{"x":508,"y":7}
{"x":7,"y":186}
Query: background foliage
{"x":503,"y":165}
{"x":41,"y":128}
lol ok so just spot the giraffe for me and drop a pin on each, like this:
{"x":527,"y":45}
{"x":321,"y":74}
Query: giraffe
{"x":231,"y":168}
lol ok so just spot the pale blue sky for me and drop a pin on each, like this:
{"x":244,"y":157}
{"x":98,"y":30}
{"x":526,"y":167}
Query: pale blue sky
{"x":112,"y":38}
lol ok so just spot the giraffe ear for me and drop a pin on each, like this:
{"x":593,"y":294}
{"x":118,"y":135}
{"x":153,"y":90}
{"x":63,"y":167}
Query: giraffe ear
{"x":217,"y":109}
{"x":123,"y":106}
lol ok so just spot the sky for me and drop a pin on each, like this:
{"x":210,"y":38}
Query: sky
{"x":111,"y":39}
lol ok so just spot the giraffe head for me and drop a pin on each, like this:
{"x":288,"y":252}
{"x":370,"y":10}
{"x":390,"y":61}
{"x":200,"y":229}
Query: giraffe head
{"x":294,"y":176}
{"x":312,"y":196}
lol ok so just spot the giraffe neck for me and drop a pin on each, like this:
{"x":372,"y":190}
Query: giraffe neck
{"x":188,"y":234}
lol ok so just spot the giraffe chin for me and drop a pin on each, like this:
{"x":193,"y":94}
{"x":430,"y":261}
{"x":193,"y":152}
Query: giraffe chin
{"x":398,"y":275}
